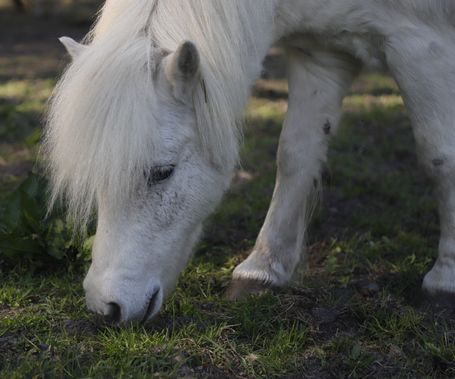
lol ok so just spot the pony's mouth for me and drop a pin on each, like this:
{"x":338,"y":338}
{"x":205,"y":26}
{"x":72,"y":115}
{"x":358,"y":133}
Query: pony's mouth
{"x":151,"y":306}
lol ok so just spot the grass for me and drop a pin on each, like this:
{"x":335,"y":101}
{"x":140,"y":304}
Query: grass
{"x":354,"y":308}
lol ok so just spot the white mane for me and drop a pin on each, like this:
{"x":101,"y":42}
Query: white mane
{"x":100,"y":136}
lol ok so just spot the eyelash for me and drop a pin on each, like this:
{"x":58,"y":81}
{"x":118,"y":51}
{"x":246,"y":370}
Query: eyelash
{"x":160,"y":174}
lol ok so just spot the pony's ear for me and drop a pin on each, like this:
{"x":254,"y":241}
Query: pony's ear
{"x":72,"y":47}
{"x":181,"y":69}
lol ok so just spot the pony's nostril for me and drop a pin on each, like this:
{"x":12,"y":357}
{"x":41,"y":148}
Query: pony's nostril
{"x":152,"y":305}
{"x":113,"y":313}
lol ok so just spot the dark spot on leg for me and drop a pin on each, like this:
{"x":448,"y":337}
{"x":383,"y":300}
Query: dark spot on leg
{"x":315,"y":92}
{"x":437,"y":162}
{"x":327,"y":127}
{"x":305,"y":51}
{"x":315,"y":183}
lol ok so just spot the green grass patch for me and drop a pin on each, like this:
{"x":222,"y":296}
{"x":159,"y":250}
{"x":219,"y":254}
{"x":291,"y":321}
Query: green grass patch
{"x":353,"y":312}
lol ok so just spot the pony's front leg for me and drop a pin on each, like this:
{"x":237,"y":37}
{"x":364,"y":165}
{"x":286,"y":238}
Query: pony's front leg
{"x":421,"y":61}
{"x":318,"y":81}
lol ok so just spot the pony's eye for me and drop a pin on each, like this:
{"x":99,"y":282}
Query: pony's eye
{"x":159,"y":174}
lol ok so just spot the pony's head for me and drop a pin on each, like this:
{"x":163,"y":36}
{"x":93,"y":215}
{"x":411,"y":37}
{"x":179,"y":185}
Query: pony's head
{"x":143,"y":131}
{"x":123,"y":139}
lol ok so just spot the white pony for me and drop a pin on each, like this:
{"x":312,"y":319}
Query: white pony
{"x":144,"y":127}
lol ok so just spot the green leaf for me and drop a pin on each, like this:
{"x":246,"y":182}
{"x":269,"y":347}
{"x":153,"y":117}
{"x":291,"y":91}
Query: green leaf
{"x":33,"y":138}
{"x":12,"y":211}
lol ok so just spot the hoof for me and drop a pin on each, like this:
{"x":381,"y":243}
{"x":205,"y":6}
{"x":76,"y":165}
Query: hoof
{"x":241,"y":288}
{"x":440,"y":300}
